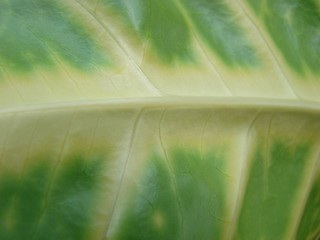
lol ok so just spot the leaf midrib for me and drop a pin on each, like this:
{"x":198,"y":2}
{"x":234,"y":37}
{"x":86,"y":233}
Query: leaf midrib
{"x":174,"y":102}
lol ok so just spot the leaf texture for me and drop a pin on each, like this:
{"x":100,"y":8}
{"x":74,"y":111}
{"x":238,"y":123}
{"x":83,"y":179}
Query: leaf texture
{"x":172,"y":119}
{"x":62,"y":51}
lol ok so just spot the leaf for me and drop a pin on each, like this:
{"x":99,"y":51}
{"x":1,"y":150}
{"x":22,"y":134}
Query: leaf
{"x":172,"y":119}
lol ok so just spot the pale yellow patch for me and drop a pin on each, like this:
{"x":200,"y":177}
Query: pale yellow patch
{"x":158,"y":220}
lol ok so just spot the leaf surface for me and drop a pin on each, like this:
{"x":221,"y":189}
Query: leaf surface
{"x":172,"y":119}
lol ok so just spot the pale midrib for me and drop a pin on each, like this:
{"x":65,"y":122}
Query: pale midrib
{"x":122,"y":174}
{"x":174,"y":102}
{"x":244,"y":176}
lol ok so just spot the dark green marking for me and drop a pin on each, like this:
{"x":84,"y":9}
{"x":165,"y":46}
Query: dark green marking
{"x":33,"y":32}
{"x":217,"y":24}
{"x":153,"y":212}
{"x":294,"y":28}
{"x":274,"y":179}
{"x":186,"y":202}
{"x":69,"y":209}
{"x":201,"y":187}
{"x":8,"y":188}
{"x":29,"y":203}
{"x":159,"y":22}
{"x":309,"y":227}
{"x":34,"y":207}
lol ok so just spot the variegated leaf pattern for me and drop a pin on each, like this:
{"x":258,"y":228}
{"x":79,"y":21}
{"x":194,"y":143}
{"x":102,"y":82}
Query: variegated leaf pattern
{"x":55,"y":51}
{"x":171,"y":119}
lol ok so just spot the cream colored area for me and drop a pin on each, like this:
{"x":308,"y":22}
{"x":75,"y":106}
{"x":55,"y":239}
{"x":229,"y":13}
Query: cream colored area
{"x":65,"y":84}
{"x":241,"y":172}
{"x":144,"y":141}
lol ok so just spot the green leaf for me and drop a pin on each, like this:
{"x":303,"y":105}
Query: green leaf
{"x":161,"y":23}
{"x":215,"y":22}
{"x":294,"y":28}
{"x":35,"y":32}
{"x":172,"y":119}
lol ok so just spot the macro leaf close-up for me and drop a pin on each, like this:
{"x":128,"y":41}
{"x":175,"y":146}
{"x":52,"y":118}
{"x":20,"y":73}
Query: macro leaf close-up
{"x":159,"y":119}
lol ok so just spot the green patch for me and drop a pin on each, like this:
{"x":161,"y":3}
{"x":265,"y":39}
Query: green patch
{"x":163,"y":24}
{"x":8,"y":188}
{"x":201,"y":188}
{"x":294,"y":28}
{"x":159,"y":22}
{"x":28,"y":202}
{"x":273,"y":185}
{"x":309,"y":227}
{"x":217,"y":24}
{"x":153,"y":212}
{"x":34,"y":32}
{"x":45,"y":205}
{"x":185,"y":202}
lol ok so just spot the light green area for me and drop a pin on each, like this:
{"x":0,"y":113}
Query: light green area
{"x":218,"y":26}
{"x":201,"y":188}
{"x":43,"y":204}
{"x":159,"y":22}
{"x":34,"y":33}
{"x":309,"y":226}
{"x":273,"y":185}
{"x":294,"y":28}
{"x":184,"y":201}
